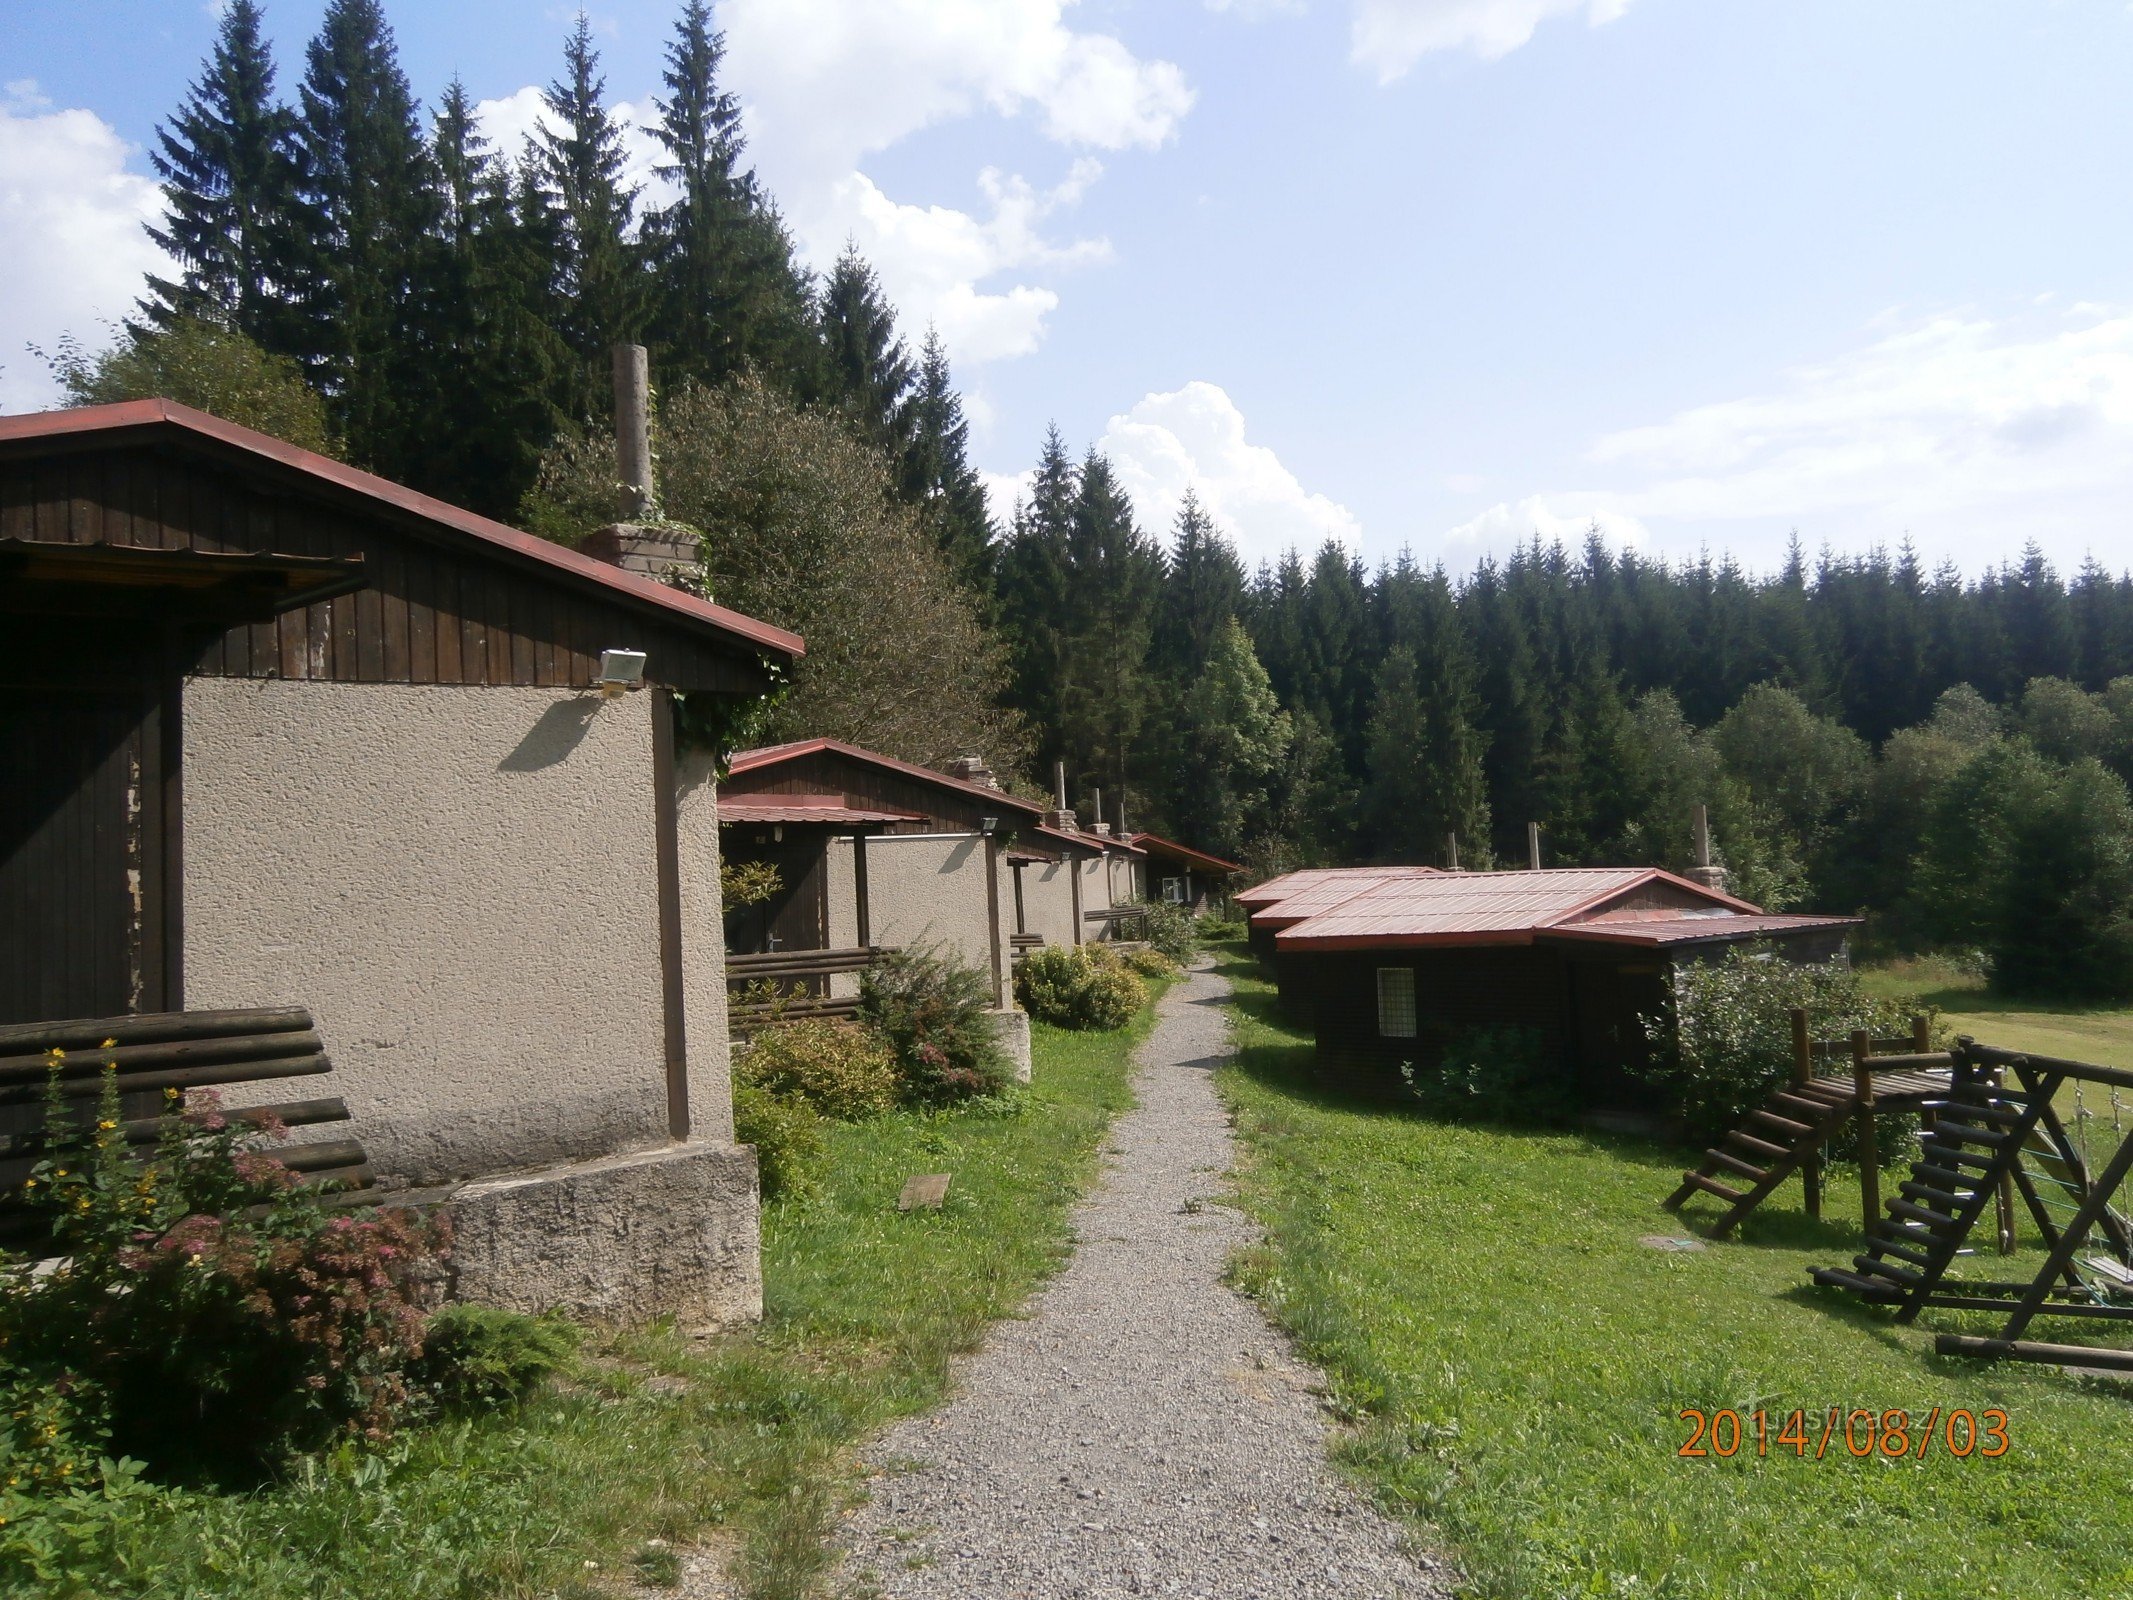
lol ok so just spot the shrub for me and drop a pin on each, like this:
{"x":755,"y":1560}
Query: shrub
{"x":839,"y":1068}
{"x":787,"y":1135}
{"x":935,"y":1014}
{"x":1150,"y":962}
{"x":1220,"y":930}
{"x":1170,"y":930}
{"x":1496,"y":1074}
{"x":747,"y":883}
{"x":1723,"y":1042}
{"x":478,"y":1357}
{"x":1084,"y":987}
{"x":205,"y":1309}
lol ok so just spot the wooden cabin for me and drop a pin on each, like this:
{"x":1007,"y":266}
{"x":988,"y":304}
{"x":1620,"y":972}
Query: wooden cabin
{"x":282,"y":733}
{"x":1394,"y":971}
{"x":1175,"y":874}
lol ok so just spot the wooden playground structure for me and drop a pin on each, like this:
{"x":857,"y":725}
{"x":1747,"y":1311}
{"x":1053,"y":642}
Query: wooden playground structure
{"x":1992,"y":1133}
{"x":1834,"y":1082}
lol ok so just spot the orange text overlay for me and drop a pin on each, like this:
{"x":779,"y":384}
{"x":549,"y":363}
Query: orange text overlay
{"x":1840,"y":1432}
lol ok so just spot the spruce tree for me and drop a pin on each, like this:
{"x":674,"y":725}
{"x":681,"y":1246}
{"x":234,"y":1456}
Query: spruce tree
{"x":1234,"y":740}
{"x":600,"y":287}
{"x":938,"y":478}
{"x":369,"y":208}
{"x":1426,"y":780}
{"x":1033,"y":595}
{"x":228,"y":165}
{"x":1203,"y":590}
{"x":1112,"y":573}
{"x":726,"y":291}
{"x":867,"y":370}
{"x":490,"y":356}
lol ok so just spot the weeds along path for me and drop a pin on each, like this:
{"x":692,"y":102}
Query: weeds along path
{"x":1144,"y":1431}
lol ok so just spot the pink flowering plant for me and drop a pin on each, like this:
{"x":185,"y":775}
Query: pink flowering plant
{"x":208,"y":1314}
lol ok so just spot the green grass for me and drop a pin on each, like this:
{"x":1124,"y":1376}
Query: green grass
{"x":1514,"y":1363}
{"x":2102,"y":1034}
{"x":743,"y":1442}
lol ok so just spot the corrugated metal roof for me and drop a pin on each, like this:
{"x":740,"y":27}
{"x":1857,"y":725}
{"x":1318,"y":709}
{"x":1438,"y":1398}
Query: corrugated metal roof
{"x":154,"y":416}
{"x":773,"y":754}
{"x":1695,"y":929}
{"x":1482,"y":907}
{"x":1333,"y":889}
{"x":1265,"y":894}
{"x":797,"y":808}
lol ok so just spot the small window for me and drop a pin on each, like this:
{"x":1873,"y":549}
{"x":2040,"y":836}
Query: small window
{"x":1174,"y":891}
{"x":1396,"y":1002}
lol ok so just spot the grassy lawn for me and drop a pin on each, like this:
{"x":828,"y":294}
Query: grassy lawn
{"x":1515,"y":1362}
{"x":741,"y":1442}
{"x":2102,"y":1034}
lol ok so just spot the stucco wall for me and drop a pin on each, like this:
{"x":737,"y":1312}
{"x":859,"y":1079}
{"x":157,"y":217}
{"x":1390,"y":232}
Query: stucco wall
{"x":842,"y":888}
{"x":928,"y":889}
{"x":1095,"y":894}
{"x":1048,"y":901}
{"x":703,"y":946}
{"x":461,"y":884}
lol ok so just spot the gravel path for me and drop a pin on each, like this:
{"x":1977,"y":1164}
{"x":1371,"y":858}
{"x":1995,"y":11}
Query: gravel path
{"x":1145,"y":1431}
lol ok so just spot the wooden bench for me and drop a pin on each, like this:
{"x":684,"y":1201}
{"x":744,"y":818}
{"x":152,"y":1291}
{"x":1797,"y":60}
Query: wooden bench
{"x":157,"y":1052}
{"x":808,"y":971}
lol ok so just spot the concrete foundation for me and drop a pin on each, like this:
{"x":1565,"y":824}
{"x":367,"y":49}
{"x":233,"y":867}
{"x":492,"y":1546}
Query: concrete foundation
{"x":1011,"y":1028}
{"x":668,"y":1231}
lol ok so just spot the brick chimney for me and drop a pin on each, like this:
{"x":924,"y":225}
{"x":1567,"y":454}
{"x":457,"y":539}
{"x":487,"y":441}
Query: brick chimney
{"x":666,"y":552}
{"x":1703,"y":873}
{"x":972,"y":769}
{"x":1060,"y":816}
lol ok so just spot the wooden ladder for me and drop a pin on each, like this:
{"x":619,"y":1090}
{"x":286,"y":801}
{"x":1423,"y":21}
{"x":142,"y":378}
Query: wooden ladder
{"x":1775,"y":1142}
{"x":1975,"y":1139}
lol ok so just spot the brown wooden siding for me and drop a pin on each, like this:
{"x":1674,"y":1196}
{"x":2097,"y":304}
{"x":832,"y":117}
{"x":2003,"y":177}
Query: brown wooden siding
{"x":439,"y":608}
{"x":1455,"y":990}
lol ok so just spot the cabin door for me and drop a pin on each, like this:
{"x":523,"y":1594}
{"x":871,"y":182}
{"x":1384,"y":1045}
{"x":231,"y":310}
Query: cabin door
{"x":85,"y":812}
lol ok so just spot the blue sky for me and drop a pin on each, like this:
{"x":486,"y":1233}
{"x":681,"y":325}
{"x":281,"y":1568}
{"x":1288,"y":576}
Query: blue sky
{"x":1436,"y":273}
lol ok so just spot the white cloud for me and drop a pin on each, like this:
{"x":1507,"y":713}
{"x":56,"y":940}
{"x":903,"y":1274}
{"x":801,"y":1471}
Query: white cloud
{"x":1970,"y":432}
{"x":1194,"y":438}
{"x":71,"y":236}
{"x":1566,"y":519}
{"x":1390,"y":36}
{"x":829,"y":83}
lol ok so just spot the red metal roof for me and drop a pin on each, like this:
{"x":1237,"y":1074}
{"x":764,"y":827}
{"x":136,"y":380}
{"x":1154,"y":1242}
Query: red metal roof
{"x":1329,"y":890}
{"x":1695,"y":929}
{"x":1156,"y":844}
{"x":159,"y":416}
{"x":1267,"y":893}
{"x":771,"y":755}
{"x":799,"y":808}
{"x":1487,"y":908}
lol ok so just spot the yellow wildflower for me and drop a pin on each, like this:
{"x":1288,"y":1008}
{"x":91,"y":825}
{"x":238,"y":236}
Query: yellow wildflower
{"x":106,"y":1125}
{"x":110,"y":1043}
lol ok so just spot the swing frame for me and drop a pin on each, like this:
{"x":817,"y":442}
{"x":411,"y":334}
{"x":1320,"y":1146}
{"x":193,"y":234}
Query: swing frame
{"x":1980,"y":1073}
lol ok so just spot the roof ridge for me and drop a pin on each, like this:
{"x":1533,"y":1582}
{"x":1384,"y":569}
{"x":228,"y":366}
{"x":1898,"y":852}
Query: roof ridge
{"x":78,"y":421}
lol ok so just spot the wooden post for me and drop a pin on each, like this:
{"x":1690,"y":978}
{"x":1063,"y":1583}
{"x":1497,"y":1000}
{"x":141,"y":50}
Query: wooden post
{"x":1803,"y":1068}
{"x":1869,"y":1141}
{"x":992,"y":918}
{"x":859,"y":890}
{"x":1533,"y":847}
{"x":2003,"y":1203}
{"x":1451,"y":847}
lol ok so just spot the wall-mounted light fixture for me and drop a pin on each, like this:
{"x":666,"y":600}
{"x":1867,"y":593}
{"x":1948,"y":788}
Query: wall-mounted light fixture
{"x":620,"y":671}
{"x":988,"y":826}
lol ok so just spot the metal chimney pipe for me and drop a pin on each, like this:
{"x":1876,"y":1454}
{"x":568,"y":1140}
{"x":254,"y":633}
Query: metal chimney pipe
{"x":1703,"y":836}
{"x":1096,"y":811}
{"x":1451,"y":846}
{"x":1533,"y":847}
{"x":633,"y":431}
{"x":1059,"y":785}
